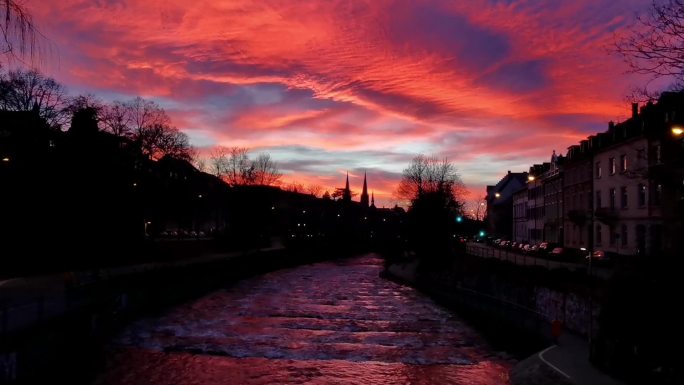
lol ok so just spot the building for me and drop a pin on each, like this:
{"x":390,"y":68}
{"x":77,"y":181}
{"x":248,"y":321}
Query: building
{"x":577,"y":197}
{"x":552,"y":182}
{"x":638,"y":181}
{"x":535,"y":203}
{"x":500,"y":203}
{"x":520,"y":212}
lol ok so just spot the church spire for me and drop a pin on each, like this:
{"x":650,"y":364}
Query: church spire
{"x":364,"y":193}
{"x":346,"y":196}
{"x":372,"y":204}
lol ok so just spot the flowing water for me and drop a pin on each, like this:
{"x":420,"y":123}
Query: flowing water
{"x":327,"y":323}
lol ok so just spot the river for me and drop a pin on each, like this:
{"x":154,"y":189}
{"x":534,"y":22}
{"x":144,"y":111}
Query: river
{"x":326,"y":323}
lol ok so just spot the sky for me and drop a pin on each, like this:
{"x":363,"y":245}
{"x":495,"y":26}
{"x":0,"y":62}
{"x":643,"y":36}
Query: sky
{"x":336,"y":86}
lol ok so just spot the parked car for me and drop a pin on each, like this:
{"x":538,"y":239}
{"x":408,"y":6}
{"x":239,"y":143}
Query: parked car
{"x":600,"y":257}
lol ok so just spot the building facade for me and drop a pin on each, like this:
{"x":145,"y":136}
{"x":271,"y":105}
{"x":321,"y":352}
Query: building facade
{"x":520,"y":212}
{"x":500,"y":203}
{"x":578,"y":215}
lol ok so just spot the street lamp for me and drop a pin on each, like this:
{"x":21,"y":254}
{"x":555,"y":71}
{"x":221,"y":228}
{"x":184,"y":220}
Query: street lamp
{"x":530,"y":178}
{"x":591,"y":303}
{"x":497,"y":195}
{"x":677,"y":131}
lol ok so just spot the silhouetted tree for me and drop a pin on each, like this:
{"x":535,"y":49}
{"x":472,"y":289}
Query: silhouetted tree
{"x":433,"y":188}
{"x":18,"y":34}
{"x":265,"y":170}
{"x":218,"y":159}
{"x":147,"y":124}
{"x":116,"y":119}
{"x":159,"y":140}
{"x":315,"y":189}
{"x":326,"y":195}
{"x":655,"y":45}
{"x":88,"y":102}
{"x":22,"y":90}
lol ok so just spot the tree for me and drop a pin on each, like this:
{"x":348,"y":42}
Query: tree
{"x":159,"y":140}
{"x":315,"y":189}
{"x":30,"y":90}
{"x":655,"y":45}
{"x":116,"y":119}
{"x":326,"y":195}
{"x":18,"y":34}
{"x":433,"y":188}
{"x":218,"y":161}
{"x":147,"y":124}
{"x":265,"y":170}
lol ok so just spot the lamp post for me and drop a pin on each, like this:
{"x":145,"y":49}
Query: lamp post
{"x":591,"y":301}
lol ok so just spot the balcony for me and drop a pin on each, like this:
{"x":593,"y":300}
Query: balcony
{"x":606,"y":215}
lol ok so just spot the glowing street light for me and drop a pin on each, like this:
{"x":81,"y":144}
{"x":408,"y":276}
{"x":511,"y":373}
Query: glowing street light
{"x":5,"y":159}
{"x":459,"y":219}
{"x":498,"y":195}
{"x":530,"y":178}
{"x":677,"y":131}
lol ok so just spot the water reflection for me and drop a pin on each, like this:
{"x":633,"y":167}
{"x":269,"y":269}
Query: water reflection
{"x":329,"y":323}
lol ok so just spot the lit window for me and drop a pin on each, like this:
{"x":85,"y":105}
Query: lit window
{"x":642,"y":195}
{"x":598,"y":169}
{"x":611,"y":165}
{"x":623,"y":163}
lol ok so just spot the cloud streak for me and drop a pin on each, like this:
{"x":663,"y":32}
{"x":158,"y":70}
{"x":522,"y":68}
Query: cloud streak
{"x":358,"y":84}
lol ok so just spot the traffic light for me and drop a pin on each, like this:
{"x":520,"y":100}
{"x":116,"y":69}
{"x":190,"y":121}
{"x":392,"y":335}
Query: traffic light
{"x":482,"y":233}
{"x":459,"y":219}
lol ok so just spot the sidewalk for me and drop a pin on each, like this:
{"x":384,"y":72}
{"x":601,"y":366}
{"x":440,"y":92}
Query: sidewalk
{"x":570,"y":359}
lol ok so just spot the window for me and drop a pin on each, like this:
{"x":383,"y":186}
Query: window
{"x":599,"y":235}
{"x":611,"y":166}
{"x":623,"y":235}
{"x":658,"y":158}
{"x":611,"y":196}
{"x":598,"y":200}
{"x":642,"y":195}
{"x":623,"y":197}
{"x":623,"y":163}
{"x":657,"y":194}
{"x":613,"y":236}
{"x":640,"y":154}
{"x":598,"y":170}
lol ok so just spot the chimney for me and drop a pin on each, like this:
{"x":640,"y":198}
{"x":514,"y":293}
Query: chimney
{"x":635,"y":110}
{"x":611,"y":125}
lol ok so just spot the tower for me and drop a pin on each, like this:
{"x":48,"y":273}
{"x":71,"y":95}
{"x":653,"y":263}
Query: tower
{"x":372,"y":203}
{"x":346,"y":195}
{"x":364,"y":193}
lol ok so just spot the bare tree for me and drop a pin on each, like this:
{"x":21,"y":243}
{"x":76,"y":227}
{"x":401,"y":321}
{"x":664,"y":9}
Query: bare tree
{"x":84,"y":102}
{"x":315,"y":189}
{"x":429,"y":175}
{"x":30,"y":90}
{"x":655,"y":45}
{"x":295,"y":187}
{"x":239,"y":169}
{"x":116,"y":119}
{"x":159,"y":140}
{"x":143,"y":113}
{"x":18,"y":34}
{"x":200,"y":164}
{"x":265,"y":170}
{"x":218,"y":161}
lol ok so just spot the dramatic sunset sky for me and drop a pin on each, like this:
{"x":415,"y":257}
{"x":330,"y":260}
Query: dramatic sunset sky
{"x":333,"y":86}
